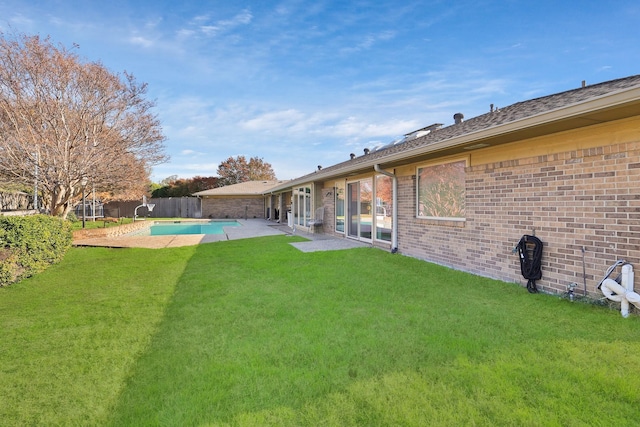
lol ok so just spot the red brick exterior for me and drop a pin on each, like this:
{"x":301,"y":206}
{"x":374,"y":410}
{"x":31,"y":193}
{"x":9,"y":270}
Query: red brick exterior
{"x":579,"y":199}
{"x":233,"y":207}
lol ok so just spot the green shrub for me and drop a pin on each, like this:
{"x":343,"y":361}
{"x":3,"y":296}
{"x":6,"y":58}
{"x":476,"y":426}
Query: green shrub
{"x":30,"y":244}
{"x":71,"y":217}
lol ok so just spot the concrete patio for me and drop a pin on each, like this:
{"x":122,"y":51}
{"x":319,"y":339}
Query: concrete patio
{"x":248,"y":229}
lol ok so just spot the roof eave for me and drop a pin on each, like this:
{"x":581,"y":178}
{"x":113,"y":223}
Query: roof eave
{"x":612,"y":106}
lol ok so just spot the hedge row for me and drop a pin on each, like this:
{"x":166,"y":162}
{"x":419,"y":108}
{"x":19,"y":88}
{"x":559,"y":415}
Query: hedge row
{"x":29,"y":244}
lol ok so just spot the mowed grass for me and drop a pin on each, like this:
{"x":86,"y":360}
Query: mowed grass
{"x":70,"y":336}
{"x":254,"y":332}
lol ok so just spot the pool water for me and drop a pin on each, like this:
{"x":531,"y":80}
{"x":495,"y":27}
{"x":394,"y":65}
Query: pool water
{"x":190,"y":227}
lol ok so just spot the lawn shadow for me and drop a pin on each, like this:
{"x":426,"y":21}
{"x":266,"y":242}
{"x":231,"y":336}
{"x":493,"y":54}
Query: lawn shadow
{"x":259,"y":333}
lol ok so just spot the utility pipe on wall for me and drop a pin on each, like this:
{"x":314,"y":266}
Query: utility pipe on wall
{"x":622,"y":293}
{"x":394,"y":211}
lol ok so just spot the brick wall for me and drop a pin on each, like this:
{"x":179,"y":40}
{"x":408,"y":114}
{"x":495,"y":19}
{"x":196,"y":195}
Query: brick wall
{"x":329,"y":203}
{"x":237,"y":208}
{"x":572,"y":200}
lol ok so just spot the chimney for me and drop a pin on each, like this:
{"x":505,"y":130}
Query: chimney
{"x":491,"y":108}
{"x":458,"y":118}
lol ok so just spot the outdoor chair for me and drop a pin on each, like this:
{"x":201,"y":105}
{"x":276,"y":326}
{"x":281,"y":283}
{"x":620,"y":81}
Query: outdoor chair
{"x":318,"y":219}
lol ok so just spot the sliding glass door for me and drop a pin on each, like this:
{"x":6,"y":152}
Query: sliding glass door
{"x":353,"y":195}
{"x":301,"y":208}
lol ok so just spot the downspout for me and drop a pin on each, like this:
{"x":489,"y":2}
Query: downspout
{"x":394,"y":211}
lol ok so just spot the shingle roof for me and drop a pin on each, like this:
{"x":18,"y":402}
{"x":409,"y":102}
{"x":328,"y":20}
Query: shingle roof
{"x":498,"y":117}
{"x":249,"y":188}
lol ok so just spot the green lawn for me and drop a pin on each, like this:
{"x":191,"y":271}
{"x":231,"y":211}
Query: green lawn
{"x":99,"y":223}
{"x":254,"y":333}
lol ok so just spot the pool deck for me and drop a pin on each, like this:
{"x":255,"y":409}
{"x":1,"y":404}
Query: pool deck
{"x":249,"y":228}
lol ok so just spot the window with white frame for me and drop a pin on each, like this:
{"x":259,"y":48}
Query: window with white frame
{"x":441,"y":191}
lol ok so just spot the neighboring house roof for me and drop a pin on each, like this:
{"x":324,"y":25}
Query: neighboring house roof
{"x":571,"y":109}
{"x":249,"y":188}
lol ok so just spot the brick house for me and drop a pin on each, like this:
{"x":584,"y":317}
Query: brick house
{"x":243,"y":200}
{"x":564,"y":167}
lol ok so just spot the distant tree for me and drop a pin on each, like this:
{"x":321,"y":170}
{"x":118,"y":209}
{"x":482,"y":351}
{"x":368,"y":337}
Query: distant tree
{"x":63,"y":120}
{"x":175,"y":187}
{"x":169,"y":180}
{"x":8,"y":186}
{"x":153,"y":187}
{"x":237,"y":170}
{"x":201,"y":183}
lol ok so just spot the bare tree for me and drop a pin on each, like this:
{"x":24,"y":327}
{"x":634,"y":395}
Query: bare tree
{"x":62,"y":120}
{"x":237,"y":170}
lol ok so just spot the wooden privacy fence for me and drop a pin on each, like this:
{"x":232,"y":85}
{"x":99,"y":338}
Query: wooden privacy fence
{"x":176,"y":207}
{"x":169,"y":207}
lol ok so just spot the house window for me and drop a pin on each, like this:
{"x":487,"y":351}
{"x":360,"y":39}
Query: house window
{"x":340,"y":206}
{"x":441,"y":191}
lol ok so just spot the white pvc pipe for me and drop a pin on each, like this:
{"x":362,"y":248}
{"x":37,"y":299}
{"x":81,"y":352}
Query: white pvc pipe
{"x":627,"y":277}
{"x":624,"y":304}
{"x":622,"y":292}
{"x":612,"y":290}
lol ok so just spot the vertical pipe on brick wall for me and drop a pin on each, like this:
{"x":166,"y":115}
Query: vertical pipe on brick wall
{"x":394,"y":214}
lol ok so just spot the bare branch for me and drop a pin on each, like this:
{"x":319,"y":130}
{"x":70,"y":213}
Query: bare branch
{"x":72,"y":119}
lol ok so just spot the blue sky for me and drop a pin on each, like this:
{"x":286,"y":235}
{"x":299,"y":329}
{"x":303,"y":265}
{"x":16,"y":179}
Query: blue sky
{"x":305,"y":83}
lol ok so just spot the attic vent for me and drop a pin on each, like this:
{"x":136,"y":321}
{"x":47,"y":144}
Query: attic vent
{"x":366,"y":151}
{"x":319,"y":167}
{"x":353,"y":156}
{"x":458,"y":118}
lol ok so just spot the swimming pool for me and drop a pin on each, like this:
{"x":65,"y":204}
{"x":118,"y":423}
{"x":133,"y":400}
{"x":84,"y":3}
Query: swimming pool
{"x":164,"y":228}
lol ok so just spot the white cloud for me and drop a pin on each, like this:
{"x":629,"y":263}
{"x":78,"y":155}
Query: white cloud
{"x":369,"y":41}
{"x":183,"y":170}
{"x":192,"y":153}
{"x":204,"y":168}
{"x":202,"y":25}
{"x":20,"y":20}
{"x":141,"y":41}
{"x":360,"y":128}
{"x":184,"y":33}
{"x":153,"y":23}
{"x":275,"y":120}
{"x":327,"y":125}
